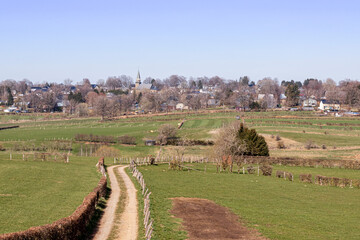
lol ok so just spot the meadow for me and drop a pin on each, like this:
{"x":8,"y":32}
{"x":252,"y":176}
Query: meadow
{"x":37,"y":192}
{"x":279,"y":209}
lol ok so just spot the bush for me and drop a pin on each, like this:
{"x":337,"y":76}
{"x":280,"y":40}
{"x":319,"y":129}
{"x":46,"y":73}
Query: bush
{"x":305,"y":178}
{"x":278,"y":138}
{"x":281,"y":145}
{"x":250,"y":169}
{"x":310,"y":145}
{"x":127,"y":140}
{"x":105,"y":151}
{"x":266,"y":170}
{"x":94,"y":138}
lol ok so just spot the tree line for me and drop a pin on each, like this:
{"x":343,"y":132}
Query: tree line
{"x":117,"y":94}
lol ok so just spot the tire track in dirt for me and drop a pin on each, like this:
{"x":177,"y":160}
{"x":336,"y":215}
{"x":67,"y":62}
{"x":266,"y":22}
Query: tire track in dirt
{"x":108,"y":218}
{"x":127,"y":227}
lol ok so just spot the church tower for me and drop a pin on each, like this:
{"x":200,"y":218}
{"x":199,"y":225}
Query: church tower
{"x":138,"y":80}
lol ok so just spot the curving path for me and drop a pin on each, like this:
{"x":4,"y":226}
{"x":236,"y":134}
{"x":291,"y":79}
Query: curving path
{"x":128,"y":226}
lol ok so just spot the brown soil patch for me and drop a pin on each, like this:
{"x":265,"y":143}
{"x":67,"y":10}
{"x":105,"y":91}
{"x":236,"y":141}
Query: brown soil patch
{"x":289,"y":143}
{"x":5,"y":195}
{"x":204,"y":219}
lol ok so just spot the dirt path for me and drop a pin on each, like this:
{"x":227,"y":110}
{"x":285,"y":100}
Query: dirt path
{"x":128,"y":224}
{"x":107,"y":219}
{"x":128,"y":229}
{"x":203,"y":219}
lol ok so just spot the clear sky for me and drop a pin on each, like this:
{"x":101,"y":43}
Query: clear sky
{"x":51,"y":40}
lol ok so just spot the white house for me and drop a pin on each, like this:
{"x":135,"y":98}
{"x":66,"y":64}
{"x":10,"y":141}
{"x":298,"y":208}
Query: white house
{"x":326,"y":105}
{"x":309,"y":102}
{"x":181,"y":106}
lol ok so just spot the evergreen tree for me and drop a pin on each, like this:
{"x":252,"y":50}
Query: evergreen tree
{"x":10,"y":98}
{"x":255,"y":144}
{"x":292,"y":95}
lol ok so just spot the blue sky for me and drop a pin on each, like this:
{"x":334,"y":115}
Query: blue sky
{"x":297,"y":39}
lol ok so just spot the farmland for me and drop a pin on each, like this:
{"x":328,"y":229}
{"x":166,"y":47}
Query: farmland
{"x":35,"y":193}
{"x":278,"y":209}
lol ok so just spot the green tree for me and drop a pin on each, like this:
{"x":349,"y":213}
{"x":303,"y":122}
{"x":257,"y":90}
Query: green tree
{"x":10,"y":98}
{"x":255,"y":144}
{"x":292,"y":94}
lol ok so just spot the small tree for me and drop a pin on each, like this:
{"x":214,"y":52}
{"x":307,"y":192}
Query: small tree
{"x":10,"y":98}
{"x":166,"y":132}
{"x":103,"y":107}
{"x":228,"y":144}
{"x":256,"y":144}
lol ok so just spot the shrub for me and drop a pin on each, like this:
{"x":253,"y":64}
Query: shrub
{"x":310,"y":145}
{"x":250,"y":169}
{"x":280,"y":174}
{"x":105,"y":151}
{"x":127,"y":140}
{"x":289,"y":176}
{"x":281,"y":145}
{"x":278,"y":138}
{"x":266,"y":170}
{"x":305,"y":178}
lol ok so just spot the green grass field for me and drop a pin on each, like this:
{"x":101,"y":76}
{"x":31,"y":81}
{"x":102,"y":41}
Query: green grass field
{"x":279,"y":209}
{"x":35,"y":192}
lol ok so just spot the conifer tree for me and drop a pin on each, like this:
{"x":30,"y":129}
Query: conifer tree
{"x":255,"y":144}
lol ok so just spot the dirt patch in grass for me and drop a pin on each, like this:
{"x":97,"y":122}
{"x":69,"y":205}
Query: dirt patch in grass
{"x":204,"y":219}
{"x":289,"y":143}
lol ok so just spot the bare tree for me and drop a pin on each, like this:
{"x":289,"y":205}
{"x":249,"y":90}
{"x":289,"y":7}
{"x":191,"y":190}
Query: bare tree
{"x":228,"y":144}
{"x":151,"y":102}
{"x":270,"y":86}
{"x":113,"y":82}
{"x":48,"y":101}
{"x":90,"y":98}
{"x":174,"y":80}
{"x":126,"y":81}
{"x":127,"y":102}
{"x":82,"y":110}
{"x":166,"y":132}
{"x":351,"y":90}
{"x":103,"y":107}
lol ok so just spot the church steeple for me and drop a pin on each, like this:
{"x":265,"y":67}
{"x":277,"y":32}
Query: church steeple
{"x":138,"y":80}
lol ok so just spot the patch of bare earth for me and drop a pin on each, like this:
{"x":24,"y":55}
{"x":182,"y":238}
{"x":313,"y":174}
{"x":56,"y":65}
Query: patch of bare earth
{"x":204,"y":219}
{"x":289,"y":143}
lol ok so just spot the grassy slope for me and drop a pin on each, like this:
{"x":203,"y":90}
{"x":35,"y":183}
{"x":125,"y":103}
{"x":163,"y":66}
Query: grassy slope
{"x":37,"y":193}
{"x":278,"y":208}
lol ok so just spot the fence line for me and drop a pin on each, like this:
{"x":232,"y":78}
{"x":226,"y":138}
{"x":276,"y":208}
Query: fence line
{"x":148,"y":222}
{"x":164,"y":159}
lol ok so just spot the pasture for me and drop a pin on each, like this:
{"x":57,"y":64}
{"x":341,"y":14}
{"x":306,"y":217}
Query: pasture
{"x":35,"y":192}
{"x":279,"y":209}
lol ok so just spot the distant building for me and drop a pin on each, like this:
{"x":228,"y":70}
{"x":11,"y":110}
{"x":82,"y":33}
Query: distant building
{"x":142,"y":87}
{"x":327,"y":105}
{"x":309,"y":102}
